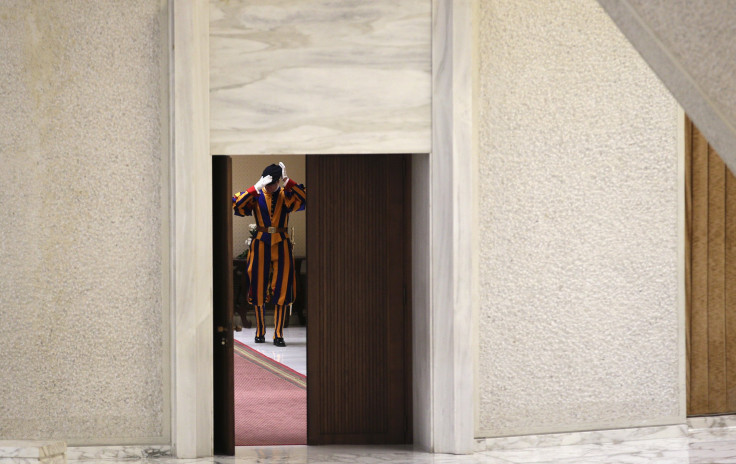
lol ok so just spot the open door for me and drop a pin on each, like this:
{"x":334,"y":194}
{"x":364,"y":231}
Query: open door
{"x":358,"y":338}
{"x":222,"y":261}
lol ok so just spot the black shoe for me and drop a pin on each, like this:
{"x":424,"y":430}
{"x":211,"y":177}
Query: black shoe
{"x":261,"y":339}
{"x":278,"y":341}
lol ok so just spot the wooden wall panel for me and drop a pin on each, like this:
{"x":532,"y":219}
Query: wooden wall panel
{"x":699,"y":300}
{"x":730,"y":290}
{"x":357,"y":342}
{"x":711,"y":269}
{"x":716,"y":284}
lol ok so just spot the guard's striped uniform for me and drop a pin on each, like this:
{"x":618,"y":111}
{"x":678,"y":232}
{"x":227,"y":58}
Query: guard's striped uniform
{"x":271,"y":258}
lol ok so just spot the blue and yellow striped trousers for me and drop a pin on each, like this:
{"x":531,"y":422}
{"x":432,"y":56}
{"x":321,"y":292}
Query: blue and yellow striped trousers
{"x":272,"y":280}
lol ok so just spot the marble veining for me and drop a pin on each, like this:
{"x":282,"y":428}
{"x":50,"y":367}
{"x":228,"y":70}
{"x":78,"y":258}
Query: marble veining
{"x":316,"y":76}
{"x":58,"y":459}
{"x":711,"y":422}
{"x":713,"y":441}
{"x":714,"y":449}
{"x":113,"y":453}
{"x":582,"y":438}
{"x":452,"y":175}
{"x":191,"y":283}
{"x":31,"y":448}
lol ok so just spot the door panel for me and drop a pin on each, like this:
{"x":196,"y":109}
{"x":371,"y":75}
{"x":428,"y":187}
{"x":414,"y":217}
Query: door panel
{"x":357,"y":338}
{"x":222,"y":261}
{"x":710,"y":278}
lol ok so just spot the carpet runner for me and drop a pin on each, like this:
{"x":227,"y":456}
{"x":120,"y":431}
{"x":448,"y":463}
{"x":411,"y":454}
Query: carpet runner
{"x":270,"y":401}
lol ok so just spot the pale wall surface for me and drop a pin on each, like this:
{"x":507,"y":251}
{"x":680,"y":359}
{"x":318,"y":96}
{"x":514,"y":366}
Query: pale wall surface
{"x":318,"y":76}
{"x":691,"y":46}
{"x":246,"y":172}
{"x":82,"y":340}
{"x":578,"y":154}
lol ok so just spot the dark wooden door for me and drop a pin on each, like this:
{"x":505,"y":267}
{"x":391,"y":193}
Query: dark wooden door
{"x":710,"y":205}
{"x":222,"y":267}
{"x":358,"y":340}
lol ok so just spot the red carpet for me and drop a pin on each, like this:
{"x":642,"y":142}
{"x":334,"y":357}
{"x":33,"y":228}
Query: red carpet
{"x":270,"y":401}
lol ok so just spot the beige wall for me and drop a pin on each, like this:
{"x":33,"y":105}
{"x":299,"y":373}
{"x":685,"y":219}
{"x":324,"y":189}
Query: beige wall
{"x":246,"y":172}
{"x":83,"y":134}
{"x":579,"y":316}
{"x":691,"y":46}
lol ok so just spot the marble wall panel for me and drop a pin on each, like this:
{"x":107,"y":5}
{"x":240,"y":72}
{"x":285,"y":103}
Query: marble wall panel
{"x":32,"y":449}
{"x":318,"y":76}
{"x":191,"y":241}
{"x":453,"y":222}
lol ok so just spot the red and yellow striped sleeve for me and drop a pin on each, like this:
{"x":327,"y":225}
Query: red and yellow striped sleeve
{"x":295,"y":196}
{"x":244,"y":202}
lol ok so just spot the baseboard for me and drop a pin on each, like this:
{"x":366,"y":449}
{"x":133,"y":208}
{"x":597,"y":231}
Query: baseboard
{"x":83,"y":453}
{"x":581,"y":438}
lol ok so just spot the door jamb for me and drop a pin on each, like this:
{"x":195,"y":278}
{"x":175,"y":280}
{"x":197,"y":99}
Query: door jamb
{"x":190,"y":232}
{"x":453,"y":298}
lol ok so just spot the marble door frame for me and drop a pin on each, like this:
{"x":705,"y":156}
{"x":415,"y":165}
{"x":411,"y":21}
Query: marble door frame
{"x":453,"y":225}
{"x":446,"y":296}
{"x":190,"y":235}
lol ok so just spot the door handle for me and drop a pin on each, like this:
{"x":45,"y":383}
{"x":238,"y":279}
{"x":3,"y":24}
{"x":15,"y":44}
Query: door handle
{"x":223,"y":331}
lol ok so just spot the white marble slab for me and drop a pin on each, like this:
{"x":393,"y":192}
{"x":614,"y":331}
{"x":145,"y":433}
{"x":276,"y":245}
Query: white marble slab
{"x":662,"y":450}
{"x":293,"y":355}
{"x":123,"y":453}
{"x":191,"y":233}
{"x":58,"y":459}
{"x":582,"y":438}
{"x":452,"y":228}
{"x":671,"y":444}
{"x":318,"y":76}
{"x":31,"y":448}
{"x":711,"y":422}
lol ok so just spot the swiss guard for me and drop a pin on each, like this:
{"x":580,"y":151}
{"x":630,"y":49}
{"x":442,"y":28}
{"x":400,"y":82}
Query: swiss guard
{"x":271,"y":258}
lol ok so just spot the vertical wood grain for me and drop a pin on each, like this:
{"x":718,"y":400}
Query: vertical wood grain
{"x":688,"y":252}
{"x":730,"y":289}
{"x":698,"y":403}
{"x":716,"y":287}
{"x":711,"y":270}
{"x":356,"y":332}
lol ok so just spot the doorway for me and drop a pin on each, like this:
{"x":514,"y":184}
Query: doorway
{"x":359,"y":361}
{"x":270,"y":381}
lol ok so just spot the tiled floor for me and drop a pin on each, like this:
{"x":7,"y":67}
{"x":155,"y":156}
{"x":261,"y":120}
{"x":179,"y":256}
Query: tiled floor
{"x":705,"y":446}
{"x":293,"y":355}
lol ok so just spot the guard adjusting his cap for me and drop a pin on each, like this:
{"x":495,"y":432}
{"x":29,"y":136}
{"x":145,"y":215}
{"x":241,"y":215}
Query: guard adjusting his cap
{"x":274,"y":171}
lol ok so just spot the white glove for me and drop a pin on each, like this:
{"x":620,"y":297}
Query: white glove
{"x":264,"y":181}
{"x":283,"y":173}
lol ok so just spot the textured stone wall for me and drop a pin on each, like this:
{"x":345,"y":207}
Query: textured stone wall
{"x":690,"y":45}
{"x":83,"y":344}
{"x":578,"y":153}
